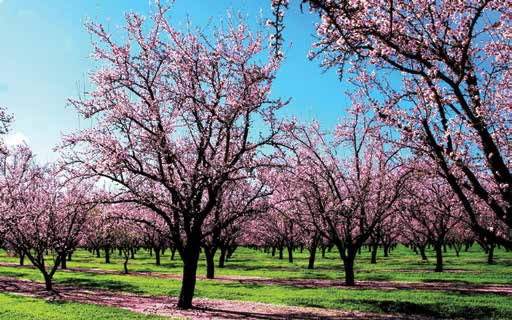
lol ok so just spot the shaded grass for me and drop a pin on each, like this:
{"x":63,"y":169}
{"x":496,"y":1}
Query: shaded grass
{"x":15,"y":307}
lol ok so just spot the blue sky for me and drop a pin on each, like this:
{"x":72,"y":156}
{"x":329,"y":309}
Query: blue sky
{"x":44,"y":59}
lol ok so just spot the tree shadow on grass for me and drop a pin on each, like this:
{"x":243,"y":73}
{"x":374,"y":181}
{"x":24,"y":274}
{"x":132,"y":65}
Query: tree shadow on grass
{"x":111,"y":285}
{"x":456,"y":281}
{"x":13,"y":274}
{"x":435,"y":310}
{"x":377,"y":277}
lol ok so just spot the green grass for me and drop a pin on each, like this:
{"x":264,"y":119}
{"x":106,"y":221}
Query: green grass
{"x":15,"y":307}
{"x":248,"y":262}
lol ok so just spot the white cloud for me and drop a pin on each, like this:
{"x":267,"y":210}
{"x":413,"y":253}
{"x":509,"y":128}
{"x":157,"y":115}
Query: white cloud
{"x":15,"y":139}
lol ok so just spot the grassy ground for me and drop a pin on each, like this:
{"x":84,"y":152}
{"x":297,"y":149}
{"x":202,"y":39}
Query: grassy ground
{"x":247,"y":262}
{"x":13,"y":307}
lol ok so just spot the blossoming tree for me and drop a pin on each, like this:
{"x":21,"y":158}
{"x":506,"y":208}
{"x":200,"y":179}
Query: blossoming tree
{"x":175,"y":119}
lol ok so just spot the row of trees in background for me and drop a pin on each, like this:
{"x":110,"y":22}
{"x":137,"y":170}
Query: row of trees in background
{"x":191,"y":156}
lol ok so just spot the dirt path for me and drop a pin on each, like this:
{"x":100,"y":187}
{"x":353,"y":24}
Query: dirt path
{"x":165,"y":306}
{"x":316,"y":283}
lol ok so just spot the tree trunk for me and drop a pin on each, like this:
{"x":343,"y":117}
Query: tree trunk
{"x":107,"y":254}
{"x":375,"y":247}
{"x":132,"y":252}
{"x":173,"y":253}
{"x":273,"y":251}
{"x":312,"y":253}
{"x":280,"y":253}
{"x":422,"y":253}
{"x":290,"y":254}
{"x":63,"y":264}
{"x":48,"y":282}
{"x":439,"y":257}
{"x":22,"y":259}
{"x":222,"y":258}
{"x":349,"y":270}
{"x":490,"y":254}
{"x":97,"y":252}
{"x":188,"y":283}
{"x":157,"y":256}
{"x":210,"y":262}
{"x":70,"y":254}
{"x":386,"y":251}
{"x":323,"y":251}
{"x":125,"y":264}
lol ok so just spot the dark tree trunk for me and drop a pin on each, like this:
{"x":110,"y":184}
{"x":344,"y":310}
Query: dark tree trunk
{"x":70,"y":254}
{"x":210,"y":262}
{"x":375,"y":247}
{"x":490,"y":254}
{"x":98,"y":255}
{"x":281,"y":253}
{"x":107,"y":254}
{"x":273,"y":251}
{"x":157,"y":256}
{"x":188,"y":283}
{"x":63,"y":264}
{"x":439,"y":257}
{"x":290,"y":254}
{"x":222,"y":258}
{"x":312,"y":253}
{"x":125,"y":264}
{"x":22,"y":259}
{"x":323,"y":251}
{"x":422,"y":253}
{"x":386,"y":251}
{"x":173,"y":253}
{"x":132,"y":252}
{"x":444,"y":248}
{"x":150,"y":251}
{"x":349,"y":270}
{"x":48,"y":282}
